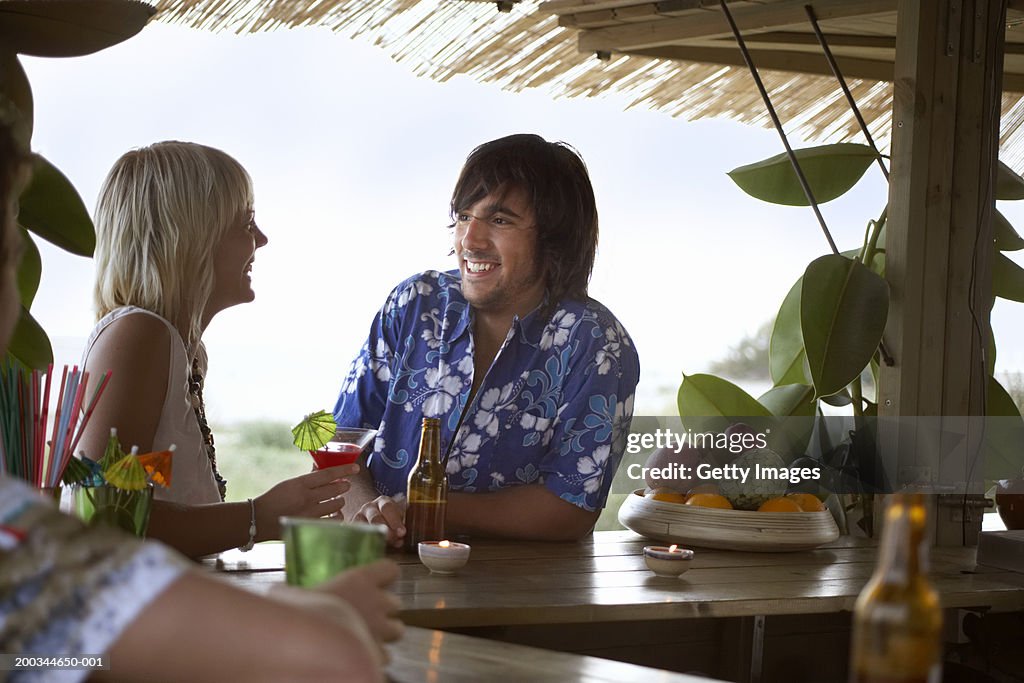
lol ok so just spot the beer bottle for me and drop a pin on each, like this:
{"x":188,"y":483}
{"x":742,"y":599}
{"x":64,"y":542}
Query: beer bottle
{"x":427,"y":491}
{"x":897,"y":622}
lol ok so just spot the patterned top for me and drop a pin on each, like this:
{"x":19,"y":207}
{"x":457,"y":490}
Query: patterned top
{"x":66,"y":590}
{"x":554,"y":408}
{"x":195,"y":480}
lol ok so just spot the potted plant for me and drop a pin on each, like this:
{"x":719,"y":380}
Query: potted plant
{"x":826,"y":341}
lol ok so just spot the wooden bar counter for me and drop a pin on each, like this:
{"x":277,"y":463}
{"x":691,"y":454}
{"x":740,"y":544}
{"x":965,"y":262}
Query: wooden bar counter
{"x":529,"y":592}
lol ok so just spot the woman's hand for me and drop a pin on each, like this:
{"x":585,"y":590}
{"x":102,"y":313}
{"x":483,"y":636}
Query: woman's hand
{"x":339,"y":610}
{"x":387,"y":511}
{"x":317,"y":494}
{"x":366,"y":589}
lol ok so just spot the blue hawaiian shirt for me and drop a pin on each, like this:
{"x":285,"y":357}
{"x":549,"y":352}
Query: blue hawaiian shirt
{"x":554,"y":408}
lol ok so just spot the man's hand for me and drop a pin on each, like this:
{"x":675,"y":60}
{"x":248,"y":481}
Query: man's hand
{"x":387,"y":511}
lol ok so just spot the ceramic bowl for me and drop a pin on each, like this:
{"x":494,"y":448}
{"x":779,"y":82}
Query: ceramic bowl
{"x":443,"y":559}
{"x":669,"y":564}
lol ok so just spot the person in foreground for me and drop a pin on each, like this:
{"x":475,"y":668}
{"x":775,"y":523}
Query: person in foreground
{"x":68,"y":590}
{"x":176,"y":241}
{"x":533,"y":380}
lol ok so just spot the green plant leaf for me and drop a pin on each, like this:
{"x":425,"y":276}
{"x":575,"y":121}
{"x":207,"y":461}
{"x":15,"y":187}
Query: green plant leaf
{"x":1006,"y":237}
{"x":1004,"y":433}
{"x":830,"y":170}
{"x":69,"y":28}
{"x":840,"y":400}
{"x":1007,"y":279}
{"x":710,"y":396}
{"x":794,"y":406}
{"x":51,"y":208}
{"x":790,"y":400}
{"x":878,"y":262}
{"x":29,"y":344}
{"x":1009,"y":185}
{"x":16,"y":93}
{"x":29,"y":270}
{"x":786,"y":356}
{"x":843,"y":309}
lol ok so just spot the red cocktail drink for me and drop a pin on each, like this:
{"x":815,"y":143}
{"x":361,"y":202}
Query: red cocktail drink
{"x":339,"y":454}
{"x":345,"y":448}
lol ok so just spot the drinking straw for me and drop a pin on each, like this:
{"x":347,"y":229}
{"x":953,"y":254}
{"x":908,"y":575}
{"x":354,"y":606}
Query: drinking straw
{"x":23,"y":467}
{"x":61,"y":459}
{"x":66,"y":413}
{"x":46,"y":413}
{"x":76,"y":408}
{"x":56,"y":417}
{"x":5,"y":417}
{"x":37,"y":462}
{"x":96,"y":394}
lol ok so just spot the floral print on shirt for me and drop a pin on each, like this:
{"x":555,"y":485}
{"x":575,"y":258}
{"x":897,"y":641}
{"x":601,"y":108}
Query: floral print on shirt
{"x":553,"y":408}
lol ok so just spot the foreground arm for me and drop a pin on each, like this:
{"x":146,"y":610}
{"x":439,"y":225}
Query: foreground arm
{"x":201,"y":629}
{"x":67,"y":589}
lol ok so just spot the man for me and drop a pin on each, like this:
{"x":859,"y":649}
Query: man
{"x":533,"y":381}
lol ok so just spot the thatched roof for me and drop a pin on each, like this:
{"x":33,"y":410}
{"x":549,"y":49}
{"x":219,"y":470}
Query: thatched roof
{"x":675,"y":56}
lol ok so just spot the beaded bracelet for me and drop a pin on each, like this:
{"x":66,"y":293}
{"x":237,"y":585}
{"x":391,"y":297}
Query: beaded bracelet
{"x":252,"y":528}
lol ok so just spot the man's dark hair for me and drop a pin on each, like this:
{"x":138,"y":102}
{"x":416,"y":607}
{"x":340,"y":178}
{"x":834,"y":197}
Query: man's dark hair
{"x":557,"y":185}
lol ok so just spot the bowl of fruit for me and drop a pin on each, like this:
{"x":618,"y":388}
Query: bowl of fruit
{"x":727,"y":513}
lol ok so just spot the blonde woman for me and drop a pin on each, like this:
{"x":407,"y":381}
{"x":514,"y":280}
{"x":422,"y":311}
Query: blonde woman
{"x":176,"y":239}
{"x":66,"y":589}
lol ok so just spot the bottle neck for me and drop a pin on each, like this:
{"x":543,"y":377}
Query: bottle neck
{"x":903,"y":553}
{"x":430,"y":445}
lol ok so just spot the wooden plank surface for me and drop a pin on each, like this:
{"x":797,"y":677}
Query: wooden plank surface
{"x":438,"y":657}
{"x":604,"y":579}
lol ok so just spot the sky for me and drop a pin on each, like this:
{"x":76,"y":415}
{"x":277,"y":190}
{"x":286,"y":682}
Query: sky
{"x":353,"y":160}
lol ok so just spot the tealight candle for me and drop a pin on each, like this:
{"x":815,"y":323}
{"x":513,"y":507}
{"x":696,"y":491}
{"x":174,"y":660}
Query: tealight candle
{"x":668,"y":562}
{"x":443,"y":557}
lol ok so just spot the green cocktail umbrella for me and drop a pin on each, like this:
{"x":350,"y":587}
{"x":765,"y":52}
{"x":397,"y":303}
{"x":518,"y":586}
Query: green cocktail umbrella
{"x":315,"y":430}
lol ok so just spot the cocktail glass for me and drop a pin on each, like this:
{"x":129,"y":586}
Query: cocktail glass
{"x":346,"y":446}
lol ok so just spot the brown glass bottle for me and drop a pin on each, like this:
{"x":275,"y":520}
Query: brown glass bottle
{"x":427,"y":491}
{"x":897,"y":621}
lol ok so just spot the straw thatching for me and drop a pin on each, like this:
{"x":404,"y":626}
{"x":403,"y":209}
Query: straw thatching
{"x":529,"y":44}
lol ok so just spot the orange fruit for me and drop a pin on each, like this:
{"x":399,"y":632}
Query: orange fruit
{"x":808,"y":502}
{"x":709,"y":500}
{"x":704,"y":488}
{"x":668,"y":495}
{"x":780,"y":505}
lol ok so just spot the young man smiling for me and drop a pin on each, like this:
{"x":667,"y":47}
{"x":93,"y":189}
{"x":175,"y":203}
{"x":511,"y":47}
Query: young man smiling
{"x":533,"y":381}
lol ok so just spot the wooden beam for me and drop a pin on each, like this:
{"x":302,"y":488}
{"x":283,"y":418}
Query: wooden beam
{"x":835,"y":40}
{"x":711,"y":24}
{"x":565,"y":7}
{"x":606,"y":16}
{"x":774,"y":60}
{"x":939,"y":245}
{"x":796,"y":62}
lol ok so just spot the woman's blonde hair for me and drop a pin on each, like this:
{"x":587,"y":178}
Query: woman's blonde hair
{"x":161,"y":212}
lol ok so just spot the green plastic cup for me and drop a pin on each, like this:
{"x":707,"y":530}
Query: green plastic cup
{"x":125,"y":510}
{"x":317,"y":549}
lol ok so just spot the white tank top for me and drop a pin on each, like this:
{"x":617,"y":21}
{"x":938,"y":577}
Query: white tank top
{"x":192,"y":481}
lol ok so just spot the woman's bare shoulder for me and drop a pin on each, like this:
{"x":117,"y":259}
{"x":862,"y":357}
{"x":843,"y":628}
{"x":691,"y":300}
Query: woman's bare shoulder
{"x":134,"y":346}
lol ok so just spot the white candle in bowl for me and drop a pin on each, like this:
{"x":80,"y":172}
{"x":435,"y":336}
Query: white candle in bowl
{"x":443,"y":557}
{"x":668,"y":562}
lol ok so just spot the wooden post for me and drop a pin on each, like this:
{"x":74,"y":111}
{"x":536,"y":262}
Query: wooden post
{"x":948,"y":82}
